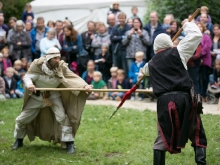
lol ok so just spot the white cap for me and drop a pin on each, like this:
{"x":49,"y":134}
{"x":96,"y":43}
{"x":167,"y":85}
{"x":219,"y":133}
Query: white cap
{"x":52,"y":52}
{"x":162,"y":41}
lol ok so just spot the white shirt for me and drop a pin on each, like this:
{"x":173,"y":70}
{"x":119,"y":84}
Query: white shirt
{"x":187,"y":45}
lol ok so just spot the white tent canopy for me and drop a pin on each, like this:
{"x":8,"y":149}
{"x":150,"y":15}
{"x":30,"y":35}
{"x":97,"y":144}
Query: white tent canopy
{"x":82,"y":11}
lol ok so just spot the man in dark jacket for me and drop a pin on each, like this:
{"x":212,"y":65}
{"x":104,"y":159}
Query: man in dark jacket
{"x":118,"y":50}
{"x":37,"y":34}
{"x":178,"y":114}
{"x":153,"y":28}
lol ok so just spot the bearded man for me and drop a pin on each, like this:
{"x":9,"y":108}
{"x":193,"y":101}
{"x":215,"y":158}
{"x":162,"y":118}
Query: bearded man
{"x":177,"y":112}
{"x":51,"y":115}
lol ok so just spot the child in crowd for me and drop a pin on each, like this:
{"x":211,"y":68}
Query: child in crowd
{"x":113,"y":80}
{"x":135,"y":74}
{"x":18,"y":69}
{"x":20,"y":86}
{"x":98,"y":83}
{"x":122,"y":83}
{"x":27,"y":12}
{"x":104,"y":63}
{"x":134,"y":11}
{"x":10,"y":83}
{"x":215,"y":77}
{"x":204,"y":10}
{"x":87,"y":76}
{"x":6,"y":60}
{"x":1,"y":65}
{"x":2,"y":89}
{"x":24,"y":64}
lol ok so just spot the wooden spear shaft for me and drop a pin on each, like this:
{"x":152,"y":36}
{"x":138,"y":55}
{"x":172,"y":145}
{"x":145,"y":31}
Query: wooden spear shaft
{"x":174,"y":38}
{"x":92,"y":90}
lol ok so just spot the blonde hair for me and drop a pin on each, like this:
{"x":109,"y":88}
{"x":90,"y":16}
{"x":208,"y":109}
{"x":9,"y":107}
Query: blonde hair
{"x":122,"y":14}
{"x":114,"y":69}
{"x":120,"y":71}
{"x":97,"y":73}
{"x":9,"y":69}
{"x":18,"y":62}
{"x":205,"y":8}
{"x":134,"y":8}
{"x":139,"y":54}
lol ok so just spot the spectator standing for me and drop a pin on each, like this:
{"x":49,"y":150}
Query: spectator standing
{"x":50,"y":24}
{"x":21,"y":42}
{"x":204,"y":10}
{"x":87,"y":38}
{"x":209,"y":26}
{"x":130,"y":22}
{"x":118,"y":49}
{"x":37,"y":34}
{"x":153,"y":28}
{"x":49,"y":41}
{"x":6,"y":60}
{"x":102,"y":37}
{"x":28,"y":27}
{"x":60,"y":36}
{"x":1,"y":65}
{"x":114,"y":9}
{"x":72,"y":43}
{"x":136,"y":39}
{"x":3,"y":33}
{"x":134,"y":11}
{"x":10,"y":83}
{"x":215,"y":41}
{"x":27,"y":12}
{"x":112,"y":22}
{"x":167,"y":21}
{"x":205,"y":61}
{"x":2,"y":89}
{"x":12,"y":22}
{"x":87,"y":76}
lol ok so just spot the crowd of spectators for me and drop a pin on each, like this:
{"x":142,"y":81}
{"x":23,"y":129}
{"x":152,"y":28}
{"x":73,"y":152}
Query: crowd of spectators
{"x":107,"y":55}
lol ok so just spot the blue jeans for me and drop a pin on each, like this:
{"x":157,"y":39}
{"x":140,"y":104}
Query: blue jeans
{"x":204,"y":80}
{"x":119,"y":60}
{"x":194,"y":75}
{"x":211,"y":79}
{"x":120,"y":94}
{"x":8,"y":96}
{"x":129,"y":62}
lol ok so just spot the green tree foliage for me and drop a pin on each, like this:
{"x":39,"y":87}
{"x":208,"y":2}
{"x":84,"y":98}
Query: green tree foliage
{"x":13,"y":8}
{"x":182,"y":8}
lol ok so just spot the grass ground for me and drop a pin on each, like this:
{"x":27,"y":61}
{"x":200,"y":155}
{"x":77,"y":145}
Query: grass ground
{"x":125,"y":139}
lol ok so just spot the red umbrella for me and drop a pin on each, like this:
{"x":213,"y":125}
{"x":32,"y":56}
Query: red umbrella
{"x":133,"y":89}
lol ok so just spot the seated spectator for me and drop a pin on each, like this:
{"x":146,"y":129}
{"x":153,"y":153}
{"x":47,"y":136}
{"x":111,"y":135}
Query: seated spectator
{"x":12,"y":22}
{"x":2,"y":89}
{"x":130,"y":22}
{"x":137,"y":39}
{"x":98,"y":83}
{"x":122,"y":83}
{"x":21,"y":42}
{"x":10,"y":83}
{"x":113,"y":80}
{"x":1,"y":65}
{"x":37,"y":34}
{"x":28,"y":26}
{"x":99,"y":39}
{"x":114,"y":9}
{"x":193,"y":66}
{"x":72,"y":43}
{"x":204,"y":10}
{"x":87,"y":76}
{"x":134,"y":11}
{"x":27,"y":12}
{"x":48,"y":42}
{"x":24,"y":64}
{"x":51,"y":24}
{"x":20,"y":86}
{"x":104,"y":62}
{"x":134,"y":73}
{"x":6,"y":60}
{"x":3,"y":33}
{"x":18,"y":69}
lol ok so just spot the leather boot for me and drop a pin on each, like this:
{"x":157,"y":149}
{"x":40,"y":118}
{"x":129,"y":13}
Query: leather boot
{"x":200,"y":155}
{"x":18,"y":143}
{"x":70,"y":147}
{"x":159,"y":157}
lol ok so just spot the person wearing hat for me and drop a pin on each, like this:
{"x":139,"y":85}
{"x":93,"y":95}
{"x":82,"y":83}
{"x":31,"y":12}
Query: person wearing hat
{"x":51,"y":115}
{"x":177,"y":112}
{"x":114,"y":9}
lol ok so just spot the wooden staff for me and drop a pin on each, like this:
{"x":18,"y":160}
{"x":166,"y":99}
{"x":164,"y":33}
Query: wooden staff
{"x":177,"y":35}
{"x":92,"y":90}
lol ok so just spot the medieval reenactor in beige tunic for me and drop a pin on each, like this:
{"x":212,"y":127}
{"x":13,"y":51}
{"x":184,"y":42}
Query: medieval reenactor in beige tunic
{"x":51,"y":115}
